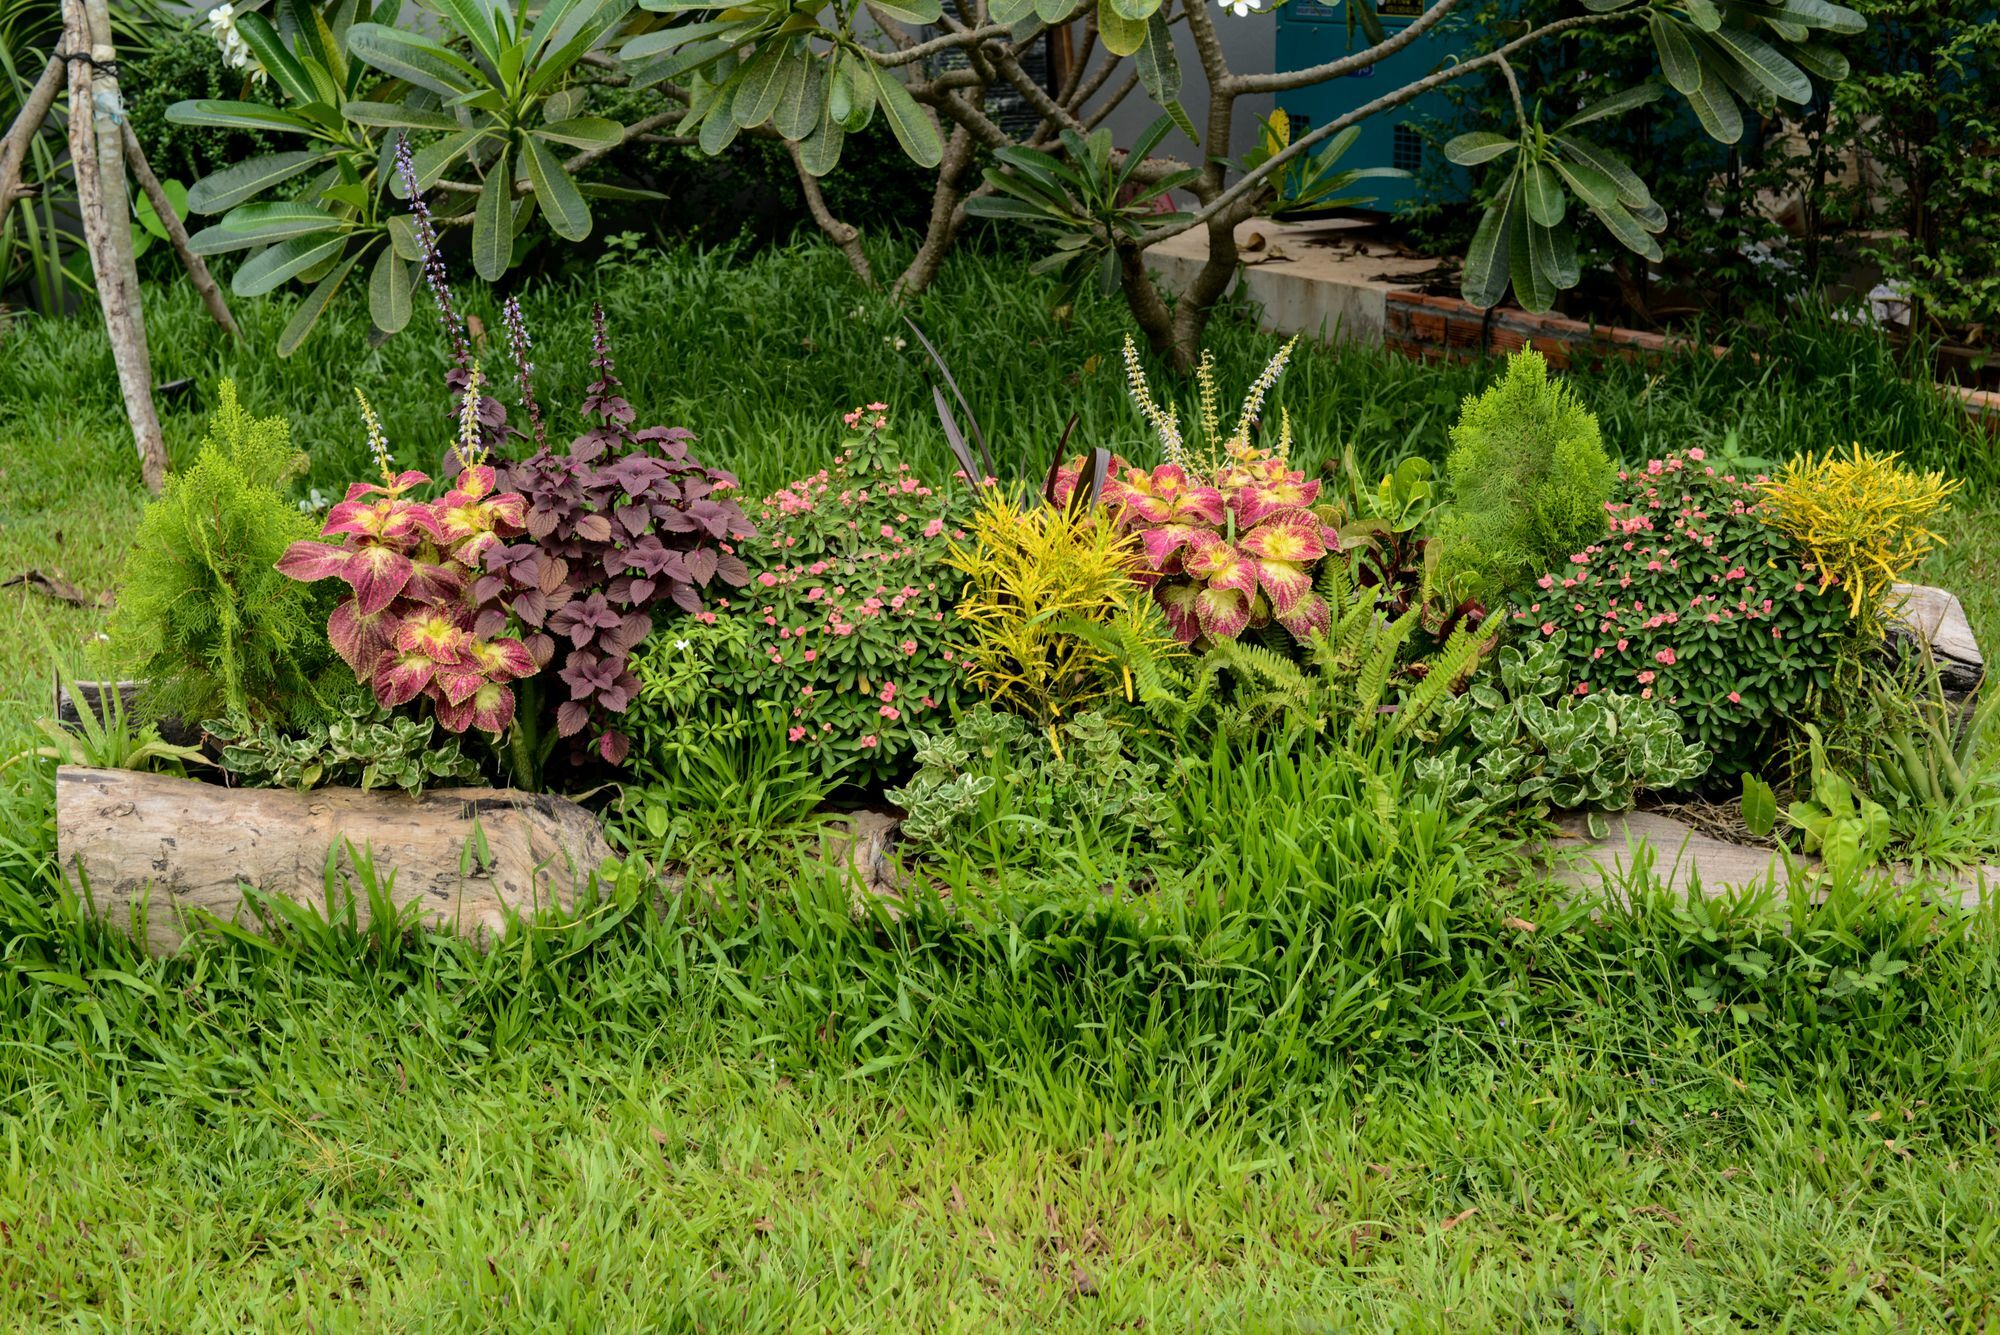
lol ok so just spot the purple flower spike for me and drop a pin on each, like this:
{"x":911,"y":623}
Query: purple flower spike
{"x":427,"y":245}
{"x":520,"y":345}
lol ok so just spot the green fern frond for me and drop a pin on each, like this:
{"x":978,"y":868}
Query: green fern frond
{"x":1448,"y":670}
{"x":1372,"y":686}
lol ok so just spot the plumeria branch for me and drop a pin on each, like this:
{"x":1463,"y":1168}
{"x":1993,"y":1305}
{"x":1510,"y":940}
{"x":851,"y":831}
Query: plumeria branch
{"x":1252,"y":181}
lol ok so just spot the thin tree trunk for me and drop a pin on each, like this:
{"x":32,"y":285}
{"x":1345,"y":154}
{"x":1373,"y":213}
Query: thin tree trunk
{"x":97,"y":156}
{"x":177,"y":233}
{"x":947,"y":212}
{"x":14,"y":149}
{"x":1197,"y":304}
{"x":843,"y":234}
{"x":1143,"y":298}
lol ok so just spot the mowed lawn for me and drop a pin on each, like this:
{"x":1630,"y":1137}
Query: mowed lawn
{"x":668,"y":1127}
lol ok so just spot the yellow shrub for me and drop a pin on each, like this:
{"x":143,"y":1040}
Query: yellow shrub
{"x":1030,"y":573}
{"x":1862,"y":520}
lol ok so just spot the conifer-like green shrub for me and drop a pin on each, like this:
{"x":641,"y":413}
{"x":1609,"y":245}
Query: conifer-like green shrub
{"x":204,"y":618}
{"x":1529,"y":479}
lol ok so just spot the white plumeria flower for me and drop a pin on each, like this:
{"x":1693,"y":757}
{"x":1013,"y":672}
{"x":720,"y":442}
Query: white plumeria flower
{"x":1243,"y":9}
{"x":236,"y":52}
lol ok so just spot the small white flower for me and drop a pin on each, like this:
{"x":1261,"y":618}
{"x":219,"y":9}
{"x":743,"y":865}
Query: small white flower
{"x":1243,"y":9}
{"x":236,"y":52}
{"x":680,"y":644}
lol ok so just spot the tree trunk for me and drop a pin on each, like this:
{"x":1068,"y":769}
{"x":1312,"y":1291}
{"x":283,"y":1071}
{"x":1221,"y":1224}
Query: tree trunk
{"x":843,"y":234}
{"x":468,"y":857}
{"x":177,"y":233}
{"x":1143,"y":298}
{"x":947,"y":213}
{"x":1210,"y":285}
{"x":97,"y":156}
{"x":14,"y":149}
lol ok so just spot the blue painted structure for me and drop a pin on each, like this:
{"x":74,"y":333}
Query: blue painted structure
{"x":1310,"y":32}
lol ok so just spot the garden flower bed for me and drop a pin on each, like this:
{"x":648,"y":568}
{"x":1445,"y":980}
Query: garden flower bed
{"x":1065,"y":678}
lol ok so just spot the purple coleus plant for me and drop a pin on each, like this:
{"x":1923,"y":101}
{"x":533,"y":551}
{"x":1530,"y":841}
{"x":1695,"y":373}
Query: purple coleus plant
{"x":624,"y":524}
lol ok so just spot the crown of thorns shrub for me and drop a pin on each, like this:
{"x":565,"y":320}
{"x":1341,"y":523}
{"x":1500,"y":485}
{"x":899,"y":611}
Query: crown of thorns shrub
{"x":1690,"y":598}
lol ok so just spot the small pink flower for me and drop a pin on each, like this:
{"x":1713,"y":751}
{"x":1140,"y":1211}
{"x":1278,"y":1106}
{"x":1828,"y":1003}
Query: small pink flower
{"x":890,"y":712}
{"x":870,"y":741}
{"x":1548,"y":628}
{"x":908,"y":647}
{"x":1622,"y":644}
{"x":1646,"y":694}
{"x":1583,"y":688}
{"x":1646,"y":676}
{"x":1665,"y":657}
{"x":1735,"y":698}
{"x":1546,"y":581}
{"x":767,"y":579}
{"x":888,"y":692}
{"x":796,"y":734}
{"x":812,"y":655}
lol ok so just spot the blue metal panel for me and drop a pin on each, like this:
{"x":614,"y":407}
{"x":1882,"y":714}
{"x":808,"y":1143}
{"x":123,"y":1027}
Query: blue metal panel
{"x":1310,"y":32}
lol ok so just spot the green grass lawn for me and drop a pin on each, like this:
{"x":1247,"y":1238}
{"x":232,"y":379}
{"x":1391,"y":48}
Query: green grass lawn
{"x":1533,"y":1115}
{"x":367,"y":1173}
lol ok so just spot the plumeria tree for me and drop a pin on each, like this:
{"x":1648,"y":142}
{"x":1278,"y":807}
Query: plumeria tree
{"x":812,"y":76}
{"x":495,"y":94}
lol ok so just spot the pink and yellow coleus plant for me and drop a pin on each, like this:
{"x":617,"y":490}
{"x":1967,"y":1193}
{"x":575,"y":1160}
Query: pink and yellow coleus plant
{"x":1231,"y":536}
{"x":407,"y":628}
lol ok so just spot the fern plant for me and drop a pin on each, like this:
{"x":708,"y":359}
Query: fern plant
{"x":1353,"y":686}
{"x":204,"y":618}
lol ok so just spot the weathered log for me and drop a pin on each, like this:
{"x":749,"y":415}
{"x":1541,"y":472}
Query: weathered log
{"x":471,"y":857}
{"x":1935,"y":617}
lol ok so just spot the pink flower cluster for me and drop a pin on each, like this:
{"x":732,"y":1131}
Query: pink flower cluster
{"x":1691,"y":598}
{"x":852,"y":636}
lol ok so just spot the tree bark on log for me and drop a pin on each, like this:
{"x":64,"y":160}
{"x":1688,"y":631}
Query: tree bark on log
{"x":149,"y":850}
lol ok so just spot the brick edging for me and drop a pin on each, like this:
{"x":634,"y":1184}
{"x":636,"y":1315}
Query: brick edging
{"x":1431,"y":328}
